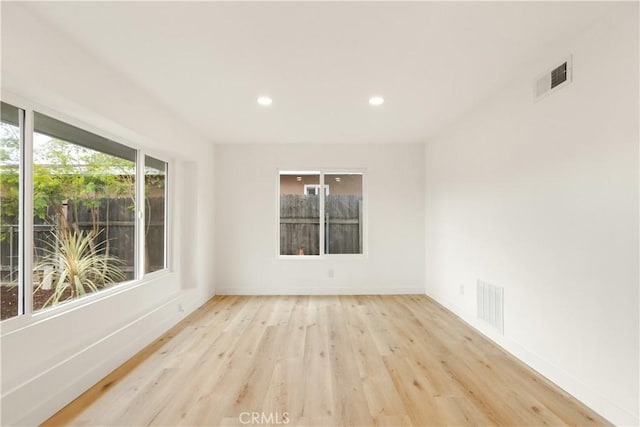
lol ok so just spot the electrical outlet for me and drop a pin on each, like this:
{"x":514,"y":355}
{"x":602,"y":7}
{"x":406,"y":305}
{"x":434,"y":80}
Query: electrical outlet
{"x":461,"y":289}
{"x":330,"y":273}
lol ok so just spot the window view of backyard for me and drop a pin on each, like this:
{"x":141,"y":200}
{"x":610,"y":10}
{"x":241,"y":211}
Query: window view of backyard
{"x":301,"y":210}
{"x":84,"y":213}
{"x":299,"y":214}
{"x":83,"y":237}
{"x":343,"y":214}
{"x":9,"y":209}
{"x":154,"y":224}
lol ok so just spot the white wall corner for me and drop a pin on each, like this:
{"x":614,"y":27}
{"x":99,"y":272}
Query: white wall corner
{"x":591,"y":398}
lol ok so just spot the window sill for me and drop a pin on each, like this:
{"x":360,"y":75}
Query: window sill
{"x":325,"y":257}
{"x":17,"y":323}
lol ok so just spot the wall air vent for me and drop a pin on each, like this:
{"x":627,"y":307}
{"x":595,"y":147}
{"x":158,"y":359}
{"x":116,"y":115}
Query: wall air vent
{"x":554,"y":79}
{"x":559,"y":75}
{"x":491,"y":305}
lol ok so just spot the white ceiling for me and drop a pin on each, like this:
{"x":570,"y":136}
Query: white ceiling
{"x":320,"y":62}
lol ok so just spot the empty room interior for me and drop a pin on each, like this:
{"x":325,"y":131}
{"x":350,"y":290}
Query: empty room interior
{"x":320,"y":213}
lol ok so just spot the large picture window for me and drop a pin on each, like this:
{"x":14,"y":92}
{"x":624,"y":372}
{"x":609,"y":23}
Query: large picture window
{"x":75,"y":207}
{"x":303,"y":204}
{"x":84,"y":212}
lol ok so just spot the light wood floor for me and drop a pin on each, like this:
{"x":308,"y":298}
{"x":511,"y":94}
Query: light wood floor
{"x":325,"y":361}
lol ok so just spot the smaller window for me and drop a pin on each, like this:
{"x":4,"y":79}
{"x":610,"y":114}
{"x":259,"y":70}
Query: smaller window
{"x":313,"y":223}
{"x":299,"y":213}
{"x":343,"y":214}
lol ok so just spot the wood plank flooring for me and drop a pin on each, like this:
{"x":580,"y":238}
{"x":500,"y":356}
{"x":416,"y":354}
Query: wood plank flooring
{"x":324,"y":361}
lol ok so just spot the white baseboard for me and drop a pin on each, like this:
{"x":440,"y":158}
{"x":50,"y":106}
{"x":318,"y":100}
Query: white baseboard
{"x":318,"y":291}
{"x":51,"y":390}
{"x":586,"y":395}
{"x":125,"y":342}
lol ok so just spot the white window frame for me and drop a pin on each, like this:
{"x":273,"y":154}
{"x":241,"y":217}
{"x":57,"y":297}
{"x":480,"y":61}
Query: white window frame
{"x":26,"y":316}
{"x":322,"y":172}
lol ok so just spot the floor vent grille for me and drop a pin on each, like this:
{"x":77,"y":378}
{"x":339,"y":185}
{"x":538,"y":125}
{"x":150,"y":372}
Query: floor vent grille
{"x":491,"y":305}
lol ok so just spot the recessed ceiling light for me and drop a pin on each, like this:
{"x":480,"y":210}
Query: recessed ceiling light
{"x":265,"y":100}
{"x":376,"y":100}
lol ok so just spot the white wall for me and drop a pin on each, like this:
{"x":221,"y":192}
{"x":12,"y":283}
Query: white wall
{"x":49,"y":359}
{"x":246,"y":221}
{"x":542,"y":198}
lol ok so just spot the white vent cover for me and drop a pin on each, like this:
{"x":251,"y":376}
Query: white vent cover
{"x":554,"y":79}
{"x":491,"y":305}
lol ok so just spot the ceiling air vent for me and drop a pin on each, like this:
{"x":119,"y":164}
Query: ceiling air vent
{"x":553,"y":80}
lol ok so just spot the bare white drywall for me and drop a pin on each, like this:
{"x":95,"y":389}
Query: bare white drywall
{"x":542,"y":199}
{"x":246,"y":221}
{"x":49,"y":359}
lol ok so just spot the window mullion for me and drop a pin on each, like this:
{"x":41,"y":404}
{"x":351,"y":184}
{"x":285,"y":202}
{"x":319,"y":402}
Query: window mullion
{"x":25,"y":289}
{"x":322,"y":216}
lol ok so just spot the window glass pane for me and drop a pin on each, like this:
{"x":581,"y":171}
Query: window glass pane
{"x":60,"y":130}
{"x":343,"y":214}
{"x":299,"y":214}
{"x":9,"y":210}
{"x":84,"y":213}
{"x":155,"y":173}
